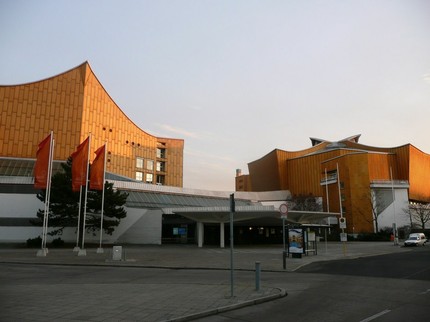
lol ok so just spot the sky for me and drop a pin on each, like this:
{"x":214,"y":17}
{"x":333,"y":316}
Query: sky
{"x":237,"y":79}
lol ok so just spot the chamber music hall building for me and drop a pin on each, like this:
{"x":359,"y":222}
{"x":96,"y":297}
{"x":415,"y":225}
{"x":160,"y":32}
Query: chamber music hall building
{"x":350,"y":178}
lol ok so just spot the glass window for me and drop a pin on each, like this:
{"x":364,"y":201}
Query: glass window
{"x":139,"y":175}
{"x":161,"y":153}
{"x":149,"y":178}
{"x":161,"y":166}
{"x":160,"y":180}
{"x":139,"y":162}
{"x":150,"y":165}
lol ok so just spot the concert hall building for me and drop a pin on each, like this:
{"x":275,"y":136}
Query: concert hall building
{"x":353,"y":179}
{"x":72,"y":105}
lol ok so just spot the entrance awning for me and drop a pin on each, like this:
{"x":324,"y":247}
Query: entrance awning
{"x":222,"y":214}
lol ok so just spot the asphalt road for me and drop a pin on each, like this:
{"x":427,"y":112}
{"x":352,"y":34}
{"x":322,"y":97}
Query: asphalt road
{"x":393,"y":287}
{"x":409,"y":265}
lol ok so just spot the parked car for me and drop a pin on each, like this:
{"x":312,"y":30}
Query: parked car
{"x":417,"y":239}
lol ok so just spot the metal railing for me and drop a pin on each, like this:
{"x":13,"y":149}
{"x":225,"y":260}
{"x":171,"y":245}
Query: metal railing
{"x":386,"y":182}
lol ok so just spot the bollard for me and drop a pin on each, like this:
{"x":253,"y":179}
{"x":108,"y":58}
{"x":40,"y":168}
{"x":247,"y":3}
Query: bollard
{"x":257,"y":276}
{"x":117,"y":253}
{"x":284,"y":259}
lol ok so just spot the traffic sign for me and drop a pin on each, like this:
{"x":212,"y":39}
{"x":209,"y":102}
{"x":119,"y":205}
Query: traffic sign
{"x":342,"y":223}
{"x":343,"y":237}
{"x":283,"y":209}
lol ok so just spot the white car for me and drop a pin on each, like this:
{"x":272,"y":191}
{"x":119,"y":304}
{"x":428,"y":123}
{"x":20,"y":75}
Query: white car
{"x":417,"y":239}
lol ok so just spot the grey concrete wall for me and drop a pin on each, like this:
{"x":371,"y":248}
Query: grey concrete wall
{"x":146,"y":230}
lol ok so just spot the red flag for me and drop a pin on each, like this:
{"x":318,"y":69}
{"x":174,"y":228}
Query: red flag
{"x":80,"y":165}
{"x":97,"y":169}
{"x":41,"y":168}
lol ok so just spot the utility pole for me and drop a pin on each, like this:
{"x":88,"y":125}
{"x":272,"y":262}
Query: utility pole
{"x":232,"y":210}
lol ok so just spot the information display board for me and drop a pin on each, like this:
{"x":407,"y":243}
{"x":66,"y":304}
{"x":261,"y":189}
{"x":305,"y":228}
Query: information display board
{"x":296,"y":240}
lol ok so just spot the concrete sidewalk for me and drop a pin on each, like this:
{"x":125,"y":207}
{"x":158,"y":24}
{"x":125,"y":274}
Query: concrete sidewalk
{"x":190,"y":256}
{"x":191,"y":300}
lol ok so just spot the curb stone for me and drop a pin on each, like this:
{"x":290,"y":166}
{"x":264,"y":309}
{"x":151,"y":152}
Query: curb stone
{"x":227,"y":308}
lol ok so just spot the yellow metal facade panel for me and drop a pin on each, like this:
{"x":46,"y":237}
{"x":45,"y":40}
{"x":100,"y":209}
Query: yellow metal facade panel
{"x":357,"y":198}
{"x":402,"y":162}
{"x":174,"y":161}
{"x":29,"y":113}
{"x":381,"y":166}
{"x":419,"y":178}
{"x":243,"y":183}
{"x":304,"y":176}
{"x":264,"y":173}
{"x":353,"y":191}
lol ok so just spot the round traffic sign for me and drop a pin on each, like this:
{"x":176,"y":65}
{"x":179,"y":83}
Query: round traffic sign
{"x":283,"y":209}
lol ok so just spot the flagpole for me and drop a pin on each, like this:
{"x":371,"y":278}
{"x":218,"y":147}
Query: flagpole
{"x":76,"y":249}
{"x":328,"y":209}
{"x":51,"y":160}
{"x":100,"y":249}
{"x":343,"y":234}
{"x":43,"y":250}
{"x":326,"y":192}
{"x":82,"y":251}
{"x":396,"y":239}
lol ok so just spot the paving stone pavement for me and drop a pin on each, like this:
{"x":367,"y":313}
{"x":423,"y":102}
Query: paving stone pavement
{"x":156,"y":302}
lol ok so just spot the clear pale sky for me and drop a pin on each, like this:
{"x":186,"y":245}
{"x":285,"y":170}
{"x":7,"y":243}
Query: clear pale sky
{"x":237,"y":79}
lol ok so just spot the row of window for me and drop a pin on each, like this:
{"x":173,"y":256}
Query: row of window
{"x":148,"y":164}
{"x":160,"y":166}
{"x":149,"y":178}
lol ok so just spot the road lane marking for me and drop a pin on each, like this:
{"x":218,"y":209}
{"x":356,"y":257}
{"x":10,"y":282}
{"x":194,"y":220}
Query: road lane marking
{"x":377,"y":315}
{"x":425,"y":292}
{"x":416,"y":273}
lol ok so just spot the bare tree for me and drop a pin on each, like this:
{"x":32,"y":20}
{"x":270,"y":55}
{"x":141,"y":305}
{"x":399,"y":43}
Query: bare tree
{"x":305,"y":203}
{"x":378,"y":201}
{"x":419,"y":212}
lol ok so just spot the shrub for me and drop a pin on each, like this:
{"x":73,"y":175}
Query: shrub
{"x":57,"y":242}
{"x":34,"y":242}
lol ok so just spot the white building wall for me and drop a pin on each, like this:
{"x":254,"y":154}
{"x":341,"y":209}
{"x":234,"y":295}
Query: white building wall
{"x":146,"y":230}
{"x":19,"y":234}
{"x":134,"y":215}
{"x":395,"y":212}
{"x":19,"y":205}
{"x":141,"y":226}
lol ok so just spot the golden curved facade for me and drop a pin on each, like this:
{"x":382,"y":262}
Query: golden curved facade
{"x":72,"y":105}
{"x":303,"y":173}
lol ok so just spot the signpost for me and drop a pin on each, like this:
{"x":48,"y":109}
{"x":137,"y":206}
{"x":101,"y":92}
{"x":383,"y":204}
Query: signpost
{"x":232,"y":210}
{"x":343,"y":235}
{"x":283,"y":209}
